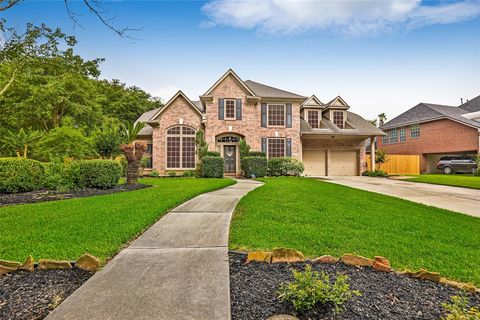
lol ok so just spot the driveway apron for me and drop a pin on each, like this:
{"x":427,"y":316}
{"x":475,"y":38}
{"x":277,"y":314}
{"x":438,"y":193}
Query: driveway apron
{"x":177,"y":269}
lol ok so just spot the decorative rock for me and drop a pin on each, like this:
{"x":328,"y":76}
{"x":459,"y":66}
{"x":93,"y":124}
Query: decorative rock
{"x":44,"y":264}
{"x":458,"y":285}
{"x":354,"y":260}
{"x":88,"y":262}
{"x":282,"y":317}
{"x":27,"y":264}
{"x":287,"y":255}
{"x":259,"y":256}
{"x":381,"y":264}
{"x":424,"y":274}
{"x":325,"y":259}
{"x":4,"y":270}
{"x":8,"y":266}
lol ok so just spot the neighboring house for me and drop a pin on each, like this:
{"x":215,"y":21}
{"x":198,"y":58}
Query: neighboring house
{"x":328,"y":138}
{"x":432,"y":131}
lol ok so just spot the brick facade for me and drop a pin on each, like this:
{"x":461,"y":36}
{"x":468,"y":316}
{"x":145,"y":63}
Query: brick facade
{"x":436,"y":137}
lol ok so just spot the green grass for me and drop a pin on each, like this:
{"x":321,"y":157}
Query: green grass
{"x":456,"y":180}
{"x":320,"y":218}
{"x":99,"y":225}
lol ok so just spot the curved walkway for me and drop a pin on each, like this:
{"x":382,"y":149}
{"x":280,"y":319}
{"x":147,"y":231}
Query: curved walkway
{"x":177,"y":269}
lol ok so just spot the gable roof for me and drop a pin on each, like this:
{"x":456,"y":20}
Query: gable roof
{"x":313,"y":101}
{"x":359,"y":127}
{"x":424,"y":112}
{"x":232,"y":73}
{"x":472,"y":105}
{"x":265,"y":91}
{"x":337,"y":102}
{"x":177,"y":95}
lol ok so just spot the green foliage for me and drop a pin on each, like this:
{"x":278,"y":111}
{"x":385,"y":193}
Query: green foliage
{"x":59,"y":175}
{"x":189,"y":174}
{"x":20,"y":175}
{"x":107,"y":141}
{"x":201,"y":149}
{"x":243,"y":148}
{"x":212,"y":167}
{"x":257,"y":154}
{"x":254,"y":166}
{"x":380,"y":158}
{"x":212,"y":154}
{"x":376,"y":173}
{"x":284,"y":167}
{"x":310,"y":288}
{"x":171,"y":174}
{"x":63,"y":142}
{"x":459,"y":309}
{"x":130,"y":131}
{"x":154,"y":173}
{"x":102,"y":174}
{"x":123,"y":164}
{"x":20,"y":141}
{"x":477,"y":160}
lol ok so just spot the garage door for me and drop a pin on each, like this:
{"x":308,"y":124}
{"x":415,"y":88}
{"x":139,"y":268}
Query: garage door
{"x":314,"y":162}
{"x":343,"y":163}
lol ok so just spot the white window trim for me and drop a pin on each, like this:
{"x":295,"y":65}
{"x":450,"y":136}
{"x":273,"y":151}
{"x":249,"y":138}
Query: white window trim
{"x":284,"y":115}
{"x":344,"y":118}
{"x":181,"y":135}
{"x":404,"y":135}
{"x":318,"y":117}
{"x":234,"y":109}
{"x":284,"y":146}
{"x":419,"y":131}
{"x":390,"y":136}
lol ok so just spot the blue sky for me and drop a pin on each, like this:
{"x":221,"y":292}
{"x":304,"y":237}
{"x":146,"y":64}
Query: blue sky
{"x":380,"y":56}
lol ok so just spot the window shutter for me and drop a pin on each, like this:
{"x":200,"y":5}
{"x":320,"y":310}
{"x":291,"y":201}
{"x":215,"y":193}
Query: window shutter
{"x":289,"y":115}
{"x":239,"y":109}
{"x":264,"y":114}
{"x":264,"y":145}
{"x":289,"y":147}
{"x":220,"y":109}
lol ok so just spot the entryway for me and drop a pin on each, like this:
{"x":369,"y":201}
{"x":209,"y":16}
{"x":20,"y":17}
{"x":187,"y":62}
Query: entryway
{"x":227,"y":145}
{"x":230,"y":158}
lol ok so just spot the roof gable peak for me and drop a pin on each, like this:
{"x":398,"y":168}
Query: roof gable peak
{"x":232,"y":73}
{"x":172,"y":99}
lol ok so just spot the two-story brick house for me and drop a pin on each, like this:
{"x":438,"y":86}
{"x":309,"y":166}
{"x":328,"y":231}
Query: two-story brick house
{"x":328,"y":138}
{"x":432,"y":131}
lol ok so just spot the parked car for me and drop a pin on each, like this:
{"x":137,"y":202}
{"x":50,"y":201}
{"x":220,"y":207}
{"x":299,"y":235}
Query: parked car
{"x":457,"y":164}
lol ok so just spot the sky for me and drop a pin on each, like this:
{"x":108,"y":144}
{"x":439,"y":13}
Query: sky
{"x":379,"y":56}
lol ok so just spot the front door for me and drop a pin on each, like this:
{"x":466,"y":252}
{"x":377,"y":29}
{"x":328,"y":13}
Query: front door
{"x":229,"y":156}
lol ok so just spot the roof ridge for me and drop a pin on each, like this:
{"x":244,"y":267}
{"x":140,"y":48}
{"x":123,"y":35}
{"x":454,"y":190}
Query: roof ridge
{"x":266,"y":85}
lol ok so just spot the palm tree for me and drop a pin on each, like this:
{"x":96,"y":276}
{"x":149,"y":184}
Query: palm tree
{"x":21,"y":140}
{"x":132,"y":150}
{"x":382,"y":117}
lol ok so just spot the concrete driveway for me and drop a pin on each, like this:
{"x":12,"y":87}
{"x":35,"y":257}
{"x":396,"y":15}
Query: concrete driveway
{"x":451,"y":198}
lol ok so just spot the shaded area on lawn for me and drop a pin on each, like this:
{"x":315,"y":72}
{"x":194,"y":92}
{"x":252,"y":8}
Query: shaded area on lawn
{"x":99,"y":225}
{"x":320,"y":218}
{"x":456,"y":180}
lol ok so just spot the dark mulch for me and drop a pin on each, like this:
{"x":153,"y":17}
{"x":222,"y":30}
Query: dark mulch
{"x":50,"y":195}
{"x":32,"y":295}
{"x":384,"y":295}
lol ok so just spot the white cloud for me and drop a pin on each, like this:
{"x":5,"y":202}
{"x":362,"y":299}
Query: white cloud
{"x":351,"y":17}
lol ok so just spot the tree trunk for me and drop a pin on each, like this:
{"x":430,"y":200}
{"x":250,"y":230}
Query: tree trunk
{"x":133,"y":154}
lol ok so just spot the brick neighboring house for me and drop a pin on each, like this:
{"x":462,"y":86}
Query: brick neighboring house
{"x":328,"y":138}
{"x":432,"y":131}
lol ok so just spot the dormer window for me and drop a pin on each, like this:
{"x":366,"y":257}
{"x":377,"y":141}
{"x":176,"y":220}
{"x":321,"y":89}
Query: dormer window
{"x":339,"y":119}
{"x":312,"y":118}
{"x":230,"y":109}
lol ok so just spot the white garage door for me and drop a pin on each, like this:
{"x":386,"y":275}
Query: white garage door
{"x":343,"y":163}
{"x":314,"y":162}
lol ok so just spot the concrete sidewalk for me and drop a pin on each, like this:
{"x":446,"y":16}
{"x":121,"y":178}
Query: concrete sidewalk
{"x":178,"y":269}
{"x":457,"y":199}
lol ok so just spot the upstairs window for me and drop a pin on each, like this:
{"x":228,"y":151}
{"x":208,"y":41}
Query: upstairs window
{"x":393,"y":137}
{"x":312,"y":116}
{"x":276,"y":147}
{"x":402,"y":135}
{"x":230,"y":109}
{"x":180,"y":148}
{"x":415,"y":131}
{"x":276,"y":115}
{"x":338,"y":119}
{"x":385,"y":138}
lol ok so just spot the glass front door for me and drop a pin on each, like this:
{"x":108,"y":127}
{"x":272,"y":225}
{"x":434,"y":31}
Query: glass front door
{"x":229,"y":156}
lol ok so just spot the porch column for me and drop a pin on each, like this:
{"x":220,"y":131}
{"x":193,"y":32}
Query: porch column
{"x":372,"y":153}
{"x":327,"y":162}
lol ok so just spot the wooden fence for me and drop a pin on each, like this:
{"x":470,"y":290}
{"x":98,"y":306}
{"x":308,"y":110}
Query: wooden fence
{"x":399,"y":164}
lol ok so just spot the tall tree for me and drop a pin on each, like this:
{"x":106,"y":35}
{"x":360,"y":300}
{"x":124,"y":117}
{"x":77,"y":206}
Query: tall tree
{"x":382,"y":118}
{"x":20,"y":141}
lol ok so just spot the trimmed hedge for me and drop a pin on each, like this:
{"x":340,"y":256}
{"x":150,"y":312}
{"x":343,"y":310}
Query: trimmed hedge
{"x":212,"y":154}
{"x":257,"y":154}
{"x":254,"y":166}
{"x":376,"y":173}
{"x":212,"y":167}
{"x":284,"y":167}
{"x":20,"y":175}
{"x":102,"y":174}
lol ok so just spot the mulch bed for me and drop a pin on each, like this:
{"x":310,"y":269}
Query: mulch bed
{"x":32,"y":295}
{"x":50,"y":195}
{"x":384,"y":295}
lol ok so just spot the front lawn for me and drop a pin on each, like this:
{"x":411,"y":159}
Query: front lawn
{"x":456,"y":180}
{"x":320,"y":218}
{"x":100,"y":225}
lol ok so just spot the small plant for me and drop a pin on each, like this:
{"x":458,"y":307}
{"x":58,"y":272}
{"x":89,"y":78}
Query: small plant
{"x":154,"y":173}
{"x":477,"y":172}
{"x":376,"y":173}
{"x":459,"y":309}
{"x":284,"y":167}
{"x":310,"y":288}
{"x":189,"y":174}
{"x":380,"y":158}
{"x":171,"y":174}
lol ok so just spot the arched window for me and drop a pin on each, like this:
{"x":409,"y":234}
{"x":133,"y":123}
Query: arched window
{"x":180,"y":148}
{"x":230,"y":139}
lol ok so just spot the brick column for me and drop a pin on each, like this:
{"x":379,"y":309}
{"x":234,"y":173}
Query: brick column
{"x":327,"y":162}
{"x":372,"y":153}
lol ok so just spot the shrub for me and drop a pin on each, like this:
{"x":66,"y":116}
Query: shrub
{"x":154,"y":173}
{"x":20,"y":175}
{"x":171,"y":174}
{"x":459,"y":309}
{"x":244,"y":148}
{"x":376,"y":173}
{"x":309,"y":288}
{"x":257,"y":154}
{"x":101,"y":174}
{"x":189,"y":174}
{"x":477,"y":173}
{"x":254,"y":166}
{"x":284,"y":167}
{"x":59,"y":176}
{"x":212,"y":154}
{"x":212,"y":167}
